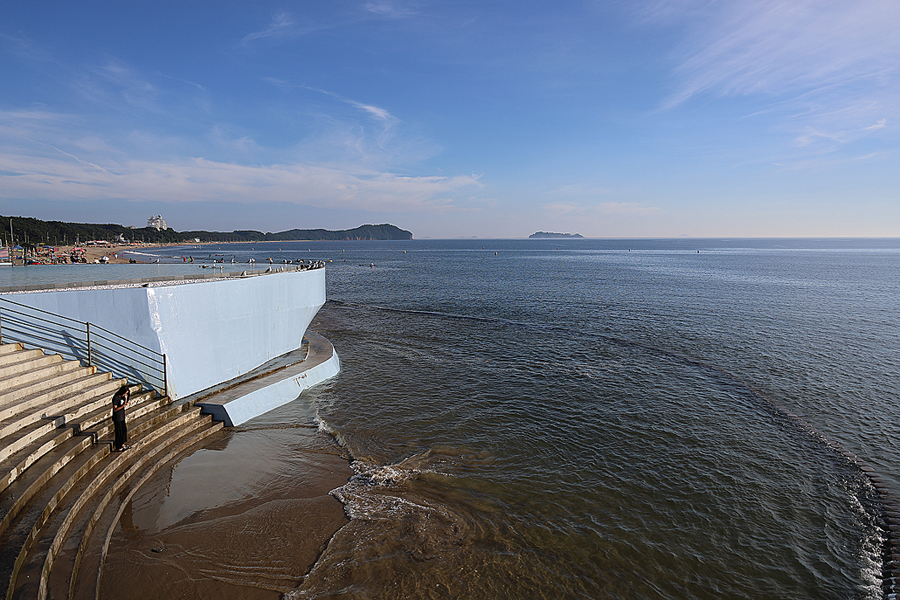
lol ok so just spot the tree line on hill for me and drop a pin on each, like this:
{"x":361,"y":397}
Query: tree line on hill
{"x":29,"y":231}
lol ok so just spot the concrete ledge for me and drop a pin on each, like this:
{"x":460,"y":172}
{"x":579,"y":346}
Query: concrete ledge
{"x":232,"y":273}
{"x":210,"y":330}
{"x":240,"y":401}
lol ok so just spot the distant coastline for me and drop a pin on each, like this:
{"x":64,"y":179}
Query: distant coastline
{"x":59,"y":233}
{"x":548,"y":234}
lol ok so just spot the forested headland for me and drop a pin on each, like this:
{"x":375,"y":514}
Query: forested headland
{"x":29,"y":231}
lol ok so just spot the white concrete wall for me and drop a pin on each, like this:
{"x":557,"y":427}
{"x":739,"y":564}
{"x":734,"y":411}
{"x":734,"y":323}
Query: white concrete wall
{"x":272,"y":396}
{"x":210,"y":331}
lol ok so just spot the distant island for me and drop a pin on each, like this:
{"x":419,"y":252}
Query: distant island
{"x":547,"y":234}
{"x":29,"y":231}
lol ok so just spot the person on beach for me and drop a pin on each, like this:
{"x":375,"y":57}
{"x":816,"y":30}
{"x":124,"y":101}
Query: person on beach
{"x":119,"y":401}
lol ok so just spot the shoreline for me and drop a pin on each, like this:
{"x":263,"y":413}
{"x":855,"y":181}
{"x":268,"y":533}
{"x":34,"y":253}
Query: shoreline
{"x":192,"y":514}
{"x":95,"y":253}
{"x":262,"y":489}
{"x":114,"y":252}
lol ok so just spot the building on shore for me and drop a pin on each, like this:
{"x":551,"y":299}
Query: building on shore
{"x":157,"y":223}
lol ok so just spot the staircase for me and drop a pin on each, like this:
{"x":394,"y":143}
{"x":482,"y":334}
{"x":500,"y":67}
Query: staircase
{"x":62,"y":489}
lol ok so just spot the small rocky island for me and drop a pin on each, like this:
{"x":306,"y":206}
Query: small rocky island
{"x":547,"y":234}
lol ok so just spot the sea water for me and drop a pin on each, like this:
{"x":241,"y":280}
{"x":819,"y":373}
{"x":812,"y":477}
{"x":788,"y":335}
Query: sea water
{"x":605,"y":419}
{"x":547,"y":419}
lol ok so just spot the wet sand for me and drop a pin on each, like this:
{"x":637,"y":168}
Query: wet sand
{"x":245,"y":517}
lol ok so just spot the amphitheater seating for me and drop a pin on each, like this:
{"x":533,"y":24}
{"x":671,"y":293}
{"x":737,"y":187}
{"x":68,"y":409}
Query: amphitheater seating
{"x":62,"y":489}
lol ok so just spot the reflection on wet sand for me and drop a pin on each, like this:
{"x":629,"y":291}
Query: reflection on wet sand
{"x":246,"y":516}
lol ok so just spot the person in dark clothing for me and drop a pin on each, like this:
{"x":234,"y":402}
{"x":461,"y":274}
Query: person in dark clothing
{"x":119,"y":401}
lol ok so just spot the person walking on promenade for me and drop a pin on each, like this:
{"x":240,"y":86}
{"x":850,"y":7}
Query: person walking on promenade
{"x":119,"y":401}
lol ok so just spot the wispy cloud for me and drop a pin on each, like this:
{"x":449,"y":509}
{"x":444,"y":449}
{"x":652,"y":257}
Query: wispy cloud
{"x":74,"y":169}
{"x":825,"y":139}
{"x":385,"y":120}
{"x":281,"y":26}
{"x":25,"y":49}
{"x":201,"y":180}
{"x":376,"y":112}
{"x":115,"y":87}
{"x":284,"y":26}
{"x":824,"y":161}
{"x":347,"y":154}
{"x":136,"y":89}
{"x":392,"y":10}
{"x":110,"y":85}
{"x":811,"y":135}
{"x":840,"y":50}
{"x":379,"y":113}
{"x":85,"y":163}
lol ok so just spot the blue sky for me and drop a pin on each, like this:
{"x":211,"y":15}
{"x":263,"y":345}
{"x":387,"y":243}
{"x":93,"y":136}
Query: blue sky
{"x":619,"y":118}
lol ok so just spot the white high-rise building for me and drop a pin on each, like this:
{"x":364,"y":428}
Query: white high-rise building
{"x":157,"y":222}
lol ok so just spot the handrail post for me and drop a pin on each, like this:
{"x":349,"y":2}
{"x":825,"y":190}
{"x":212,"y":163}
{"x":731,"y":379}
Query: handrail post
{"x":68,"y":337}
{"x":165,"y":377}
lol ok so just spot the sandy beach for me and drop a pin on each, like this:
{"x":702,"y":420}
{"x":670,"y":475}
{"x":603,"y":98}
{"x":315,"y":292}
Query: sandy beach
{"x":113,"y":253}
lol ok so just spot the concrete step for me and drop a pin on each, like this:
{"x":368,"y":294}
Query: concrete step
{"x":62,"y":490}
{"x":49,"y":454}
{"x":82,"y":573}
{"x":83,"y":392}
{"x":142,"y":404}
{"x":53,"y":527}
{"x":10,"y":348}
{"x":45,"y":373}
{"x":60,"y":473}
{"x":10,"y":359}
{"x":33,"y":360}
{"x":47,"y":390}
{"x":30,"y":516}
{"x":22,"y":430}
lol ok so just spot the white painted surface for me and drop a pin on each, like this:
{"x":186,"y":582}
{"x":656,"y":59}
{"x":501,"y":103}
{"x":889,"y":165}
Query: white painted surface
{"x":211,"y":331}
{"x":272,"y":396}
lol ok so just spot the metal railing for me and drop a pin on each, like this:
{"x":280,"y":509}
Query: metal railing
{"x":91,"y":344}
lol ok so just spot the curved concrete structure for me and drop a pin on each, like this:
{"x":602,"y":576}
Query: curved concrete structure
{"x":238,"y":339}
{"x":239,"y":402}
{"x":211,"y":330}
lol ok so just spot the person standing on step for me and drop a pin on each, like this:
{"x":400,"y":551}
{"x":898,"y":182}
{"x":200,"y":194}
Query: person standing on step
{"x":119,"y":401}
